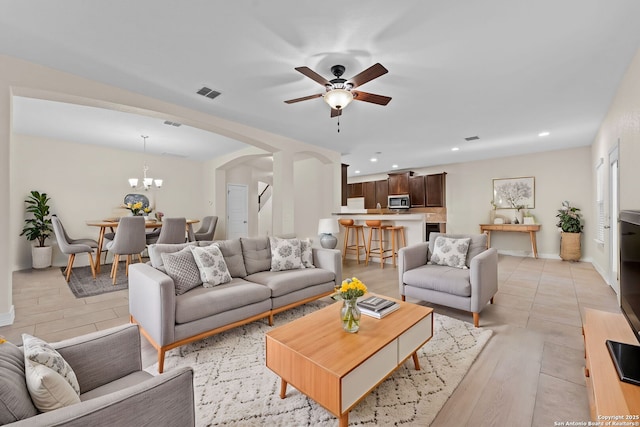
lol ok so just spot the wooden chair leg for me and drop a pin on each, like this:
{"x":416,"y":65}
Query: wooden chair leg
{"x":126,"y":265}
{"x":140,"y":258}
{"x":476,"y":319}
{"x":72,"y":257}
{"x":114,"y":267}
{"x":404,"y":298}
{"x":346,"y":243}
{"x":93,"y":267}
{"x":381,"y":241}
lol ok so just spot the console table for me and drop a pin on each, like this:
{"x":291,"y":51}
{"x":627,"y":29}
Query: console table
{"x":519,"y":228}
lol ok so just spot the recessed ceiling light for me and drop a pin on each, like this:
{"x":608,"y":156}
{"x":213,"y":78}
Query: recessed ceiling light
{"x":455,"y":149}
{"x":543,"y":134}
{"x":373,"y":159}
{"x":394,"y":166}
{"x":357,"y":171}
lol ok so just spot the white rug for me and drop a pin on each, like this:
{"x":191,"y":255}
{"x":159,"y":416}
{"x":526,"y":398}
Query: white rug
{"x":233,"y":387}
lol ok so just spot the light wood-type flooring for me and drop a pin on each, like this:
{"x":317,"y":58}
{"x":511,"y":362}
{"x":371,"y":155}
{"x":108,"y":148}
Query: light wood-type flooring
{"x":529,"y":374}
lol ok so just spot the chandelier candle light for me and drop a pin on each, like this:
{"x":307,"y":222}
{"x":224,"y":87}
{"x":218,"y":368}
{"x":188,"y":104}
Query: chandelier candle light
{"x":146,"y":182}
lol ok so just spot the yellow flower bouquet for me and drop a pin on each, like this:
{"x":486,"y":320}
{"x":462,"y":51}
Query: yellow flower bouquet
{"x":137,"y":208}
{"x":350,"y":315}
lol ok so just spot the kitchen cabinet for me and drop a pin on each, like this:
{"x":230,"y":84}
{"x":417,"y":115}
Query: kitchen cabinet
{"x":416,"y":191}
{"x":435,"y":190}
{"x":355,"y":190}
{"x":369,"y":191}
{"x":399,"y":183}
{"x":382,"y":191}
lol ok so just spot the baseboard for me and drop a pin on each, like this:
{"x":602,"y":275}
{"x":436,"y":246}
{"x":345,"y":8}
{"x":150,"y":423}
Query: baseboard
{"x":7,"y":318}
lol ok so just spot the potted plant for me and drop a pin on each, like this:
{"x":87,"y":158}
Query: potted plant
{"x":570,"y":225}
{"x":38,"y":227}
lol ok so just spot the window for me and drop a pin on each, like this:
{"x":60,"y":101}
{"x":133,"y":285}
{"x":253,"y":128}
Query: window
{"x":600,"y":201}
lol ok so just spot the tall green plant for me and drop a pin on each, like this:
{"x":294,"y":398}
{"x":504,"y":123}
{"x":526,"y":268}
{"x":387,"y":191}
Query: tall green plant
{"x":39,"y":226}
{"x":570,"y":219}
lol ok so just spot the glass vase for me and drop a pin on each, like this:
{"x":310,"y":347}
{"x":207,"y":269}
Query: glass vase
{"x":350,"y":315}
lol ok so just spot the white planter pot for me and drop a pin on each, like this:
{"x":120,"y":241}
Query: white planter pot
{"x":41,"y":256}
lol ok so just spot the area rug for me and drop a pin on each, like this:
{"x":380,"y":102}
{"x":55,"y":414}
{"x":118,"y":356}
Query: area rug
{"x":82,"y":284}
{"x":233,"y":387}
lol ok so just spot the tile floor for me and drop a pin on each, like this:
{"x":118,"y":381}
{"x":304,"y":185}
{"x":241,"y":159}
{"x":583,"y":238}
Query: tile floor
{"x":529,"y":374}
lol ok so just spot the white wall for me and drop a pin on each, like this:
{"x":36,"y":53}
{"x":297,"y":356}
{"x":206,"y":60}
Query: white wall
{"x":87,"y":182}
{"x":559,"y":175}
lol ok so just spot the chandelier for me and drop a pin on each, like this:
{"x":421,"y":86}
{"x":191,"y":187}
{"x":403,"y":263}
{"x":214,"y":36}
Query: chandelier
{"x":146,"y":182}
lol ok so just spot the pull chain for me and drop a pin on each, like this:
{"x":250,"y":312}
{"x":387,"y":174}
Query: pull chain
{"x":338,"y":124}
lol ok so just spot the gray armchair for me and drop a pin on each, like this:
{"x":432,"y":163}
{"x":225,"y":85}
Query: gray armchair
{"x":114,"y":390}
{"x":467,"y":289}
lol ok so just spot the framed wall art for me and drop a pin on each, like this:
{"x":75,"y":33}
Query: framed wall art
{"x":514,"y":193}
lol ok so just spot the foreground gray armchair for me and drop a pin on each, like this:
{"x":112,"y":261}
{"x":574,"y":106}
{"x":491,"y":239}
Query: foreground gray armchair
{"x":115,"y":391}
{"x":467,"y":289}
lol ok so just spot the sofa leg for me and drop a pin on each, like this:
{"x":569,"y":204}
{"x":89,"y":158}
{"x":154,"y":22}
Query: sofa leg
{"x":271,"y":319}
{"x":491,"y":300}
{"x":476,"y":319}
{"x":160,"y":361}
{"x":404,"y":298}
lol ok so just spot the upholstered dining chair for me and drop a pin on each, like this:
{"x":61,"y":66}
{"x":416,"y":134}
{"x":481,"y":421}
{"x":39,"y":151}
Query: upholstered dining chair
{"x":71,"y":247}
{"x":129,"y":240}
{"x":173,"y":230}
{"x":207,"y":229}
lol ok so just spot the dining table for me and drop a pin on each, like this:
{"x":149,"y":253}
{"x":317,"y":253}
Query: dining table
{"x":112,"y":224}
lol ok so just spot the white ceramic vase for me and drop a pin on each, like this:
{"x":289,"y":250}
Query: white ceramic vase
{"x":41,"y":256}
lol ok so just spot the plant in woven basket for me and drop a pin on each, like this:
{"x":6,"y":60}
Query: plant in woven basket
{"x":569,"y":218}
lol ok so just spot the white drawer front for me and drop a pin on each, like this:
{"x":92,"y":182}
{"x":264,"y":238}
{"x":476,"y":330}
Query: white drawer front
{"x":362,"y":379}
{"x":413,"y":338}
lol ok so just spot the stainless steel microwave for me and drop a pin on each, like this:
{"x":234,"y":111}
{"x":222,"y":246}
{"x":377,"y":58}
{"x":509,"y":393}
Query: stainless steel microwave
{"x":398,"y":202}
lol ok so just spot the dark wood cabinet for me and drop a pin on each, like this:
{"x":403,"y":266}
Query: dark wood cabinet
{"x":399,"y":183}
{"x":382,"y":191}
{"x":416,"y":191}
{"x":355,"y":189}
{"x":345,"y":194}
{"x":369,"y":190}
{"x":435,"y":190}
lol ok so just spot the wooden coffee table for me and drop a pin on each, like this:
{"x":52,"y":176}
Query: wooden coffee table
{"x":338,"y":369}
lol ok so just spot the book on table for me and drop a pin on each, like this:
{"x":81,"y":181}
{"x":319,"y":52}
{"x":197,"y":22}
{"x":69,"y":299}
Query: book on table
{"x":380,"y":314}
{"x":377,"y":307}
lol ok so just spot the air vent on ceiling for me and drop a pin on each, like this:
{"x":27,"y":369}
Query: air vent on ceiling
{"x":472,"y":138}
{"x":182,"y":156}
{"x":209,"y":93}
{"x":170,"y":123}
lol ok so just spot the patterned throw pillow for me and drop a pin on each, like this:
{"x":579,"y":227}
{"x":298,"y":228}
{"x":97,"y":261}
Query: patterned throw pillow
{"x":182,"y":268}
{"x":450,"y":252}
{"x":307,"y":254}
{"x":213,"y":268}
{"x":285,"y":254}
{"x":51,"y":382}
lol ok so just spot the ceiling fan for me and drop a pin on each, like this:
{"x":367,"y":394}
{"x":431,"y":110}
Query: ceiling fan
{"x":340,"y":92}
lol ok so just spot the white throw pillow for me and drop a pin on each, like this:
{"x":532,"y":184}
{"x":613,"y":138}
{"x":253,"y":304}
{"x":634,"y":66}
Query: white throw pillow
{"x":450,"y":252}
{"x":306,"y":253}
{"x":285,"y":254}
{"x":212,"y":266}
{"x":51,"y":382}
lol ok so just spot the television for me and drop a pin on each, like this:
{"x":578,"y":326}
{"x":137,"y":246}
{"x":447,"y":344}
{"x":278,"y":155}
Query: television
{"x":630,"y":268}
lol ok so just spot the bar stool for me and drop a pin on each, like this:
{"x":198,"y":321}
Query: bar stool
{"x":349,"y":225}
{"x":380,"y":250}
{"x":394,"y":248}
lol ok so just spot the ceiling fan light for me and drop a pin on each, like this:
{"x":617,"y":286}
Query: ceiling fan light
{"x":338,"y":98}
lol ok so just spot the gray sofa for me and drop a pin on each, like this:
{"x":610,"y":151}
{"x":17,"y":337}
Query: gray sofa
{"x":114,"y":390}
{"x":467,"y":289}
{"x":168,"y":320}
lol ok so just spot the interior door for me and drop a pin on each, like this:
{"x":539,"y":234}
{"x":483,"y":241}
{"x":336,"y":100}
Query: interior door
{"x":614,"y":209}
{"x":237,"y":211}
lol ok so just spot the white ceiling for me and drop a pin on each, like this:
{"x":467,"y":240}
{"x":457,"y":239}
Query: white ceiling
{"x":504,"y":70}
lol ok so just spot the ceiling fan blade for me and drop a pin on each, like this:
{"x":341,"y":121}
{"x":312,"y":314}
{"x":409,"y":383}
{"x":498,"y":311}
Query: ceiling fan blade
{"x":312,"y":75}
{"x":304,"y":98}
{"x":370,"y":97}
{"x":367,"y":75}
{"x":336,"y":113}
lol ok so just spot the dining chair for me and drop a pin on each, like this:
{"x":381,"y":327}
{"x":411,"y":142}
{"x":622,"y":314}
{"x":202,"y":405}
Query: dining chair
{"x":207,"y":229}
{"x":71,"y":247}
{"x":173,"y":230}
{"x":129,"y":240}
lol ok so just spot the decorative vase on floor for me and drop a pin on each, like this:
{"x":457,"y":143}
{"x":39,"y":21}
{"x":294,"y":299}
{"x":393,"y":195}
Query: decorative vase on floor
{"x":350,"y":315}
{"x":41,"y":256}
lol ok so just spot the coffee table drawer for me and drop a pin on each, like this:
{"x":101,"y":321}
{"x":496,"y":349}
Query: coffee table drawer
{"x":414,"y":337}
{"x":363,"y":378}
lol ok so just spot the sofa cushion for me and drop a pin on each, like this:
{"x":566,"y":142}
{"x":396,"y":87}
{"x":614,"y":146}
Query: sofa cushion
{"x":285,"y":254}
{"x":439,"y":278}
{"x":450,"y":252}
{"x":257,"y":254}
{"x":15,"y":401}
{"x":213,"y":269}
{"x":51,"y":382}
{"x":182,"y":268}
{"x":204,"y":302}
{"x":156,"y":250}
{"x":284,"y":282}
{"x":306,"y":253}
{"x":477,"y":245}
{"x":232,"y":253}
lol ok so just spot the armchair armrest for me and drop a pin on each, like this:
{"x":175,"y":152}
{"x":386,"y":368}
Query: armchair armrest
{"x":411,"y":257}
{"x":166,"y":399}
{"x":483,"y":277}
{"x":152,"y":302}
{"x":101,"y":357}
{"x":329,"y":259}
